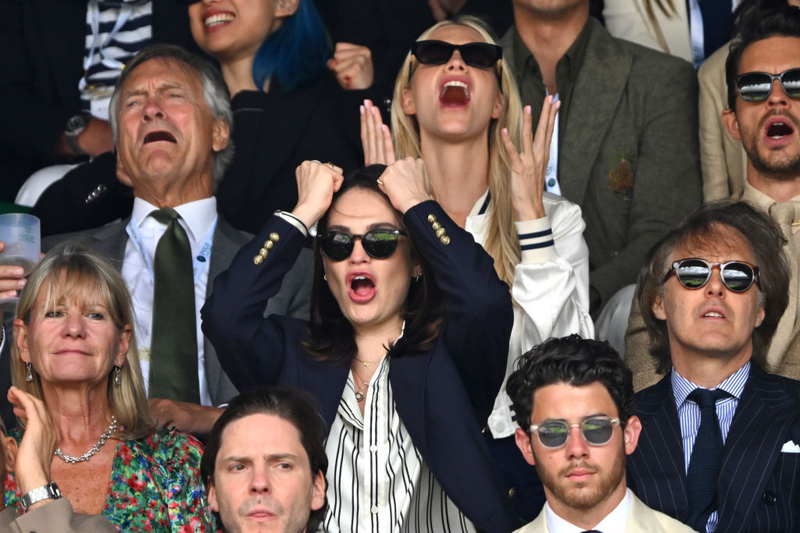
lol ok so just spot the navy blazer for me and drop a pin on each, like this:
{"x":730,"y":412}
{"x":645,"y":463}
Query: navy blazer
{"x":759,"y":485}
{"x":442,"y":395}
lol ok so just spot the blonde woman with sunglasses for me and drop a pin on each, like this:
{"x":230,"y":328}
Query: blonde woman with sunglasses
{"x":458,"y":108}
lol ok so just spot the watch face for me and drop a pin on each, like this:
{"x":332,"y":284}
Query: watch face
{"x":77,"y":123}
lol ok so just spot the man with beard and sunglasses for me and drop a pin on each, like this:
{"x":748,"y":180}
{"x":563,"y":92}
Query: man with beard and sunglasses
{"x":574,"y":405}
{"x":719,"y":446}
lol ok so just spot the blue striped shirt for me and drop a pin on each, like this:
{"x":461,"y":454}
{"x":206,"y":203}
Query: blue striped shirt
{"x":689,"y":414}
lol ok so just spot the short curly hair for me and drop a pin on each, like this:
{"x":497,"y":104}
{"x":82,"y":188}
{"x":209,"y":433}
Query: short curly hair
{"x":574,"y":361}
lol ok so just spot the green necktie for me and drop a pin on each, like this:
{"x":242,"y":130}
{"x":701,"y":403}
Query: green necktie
{"x":173,"y":346}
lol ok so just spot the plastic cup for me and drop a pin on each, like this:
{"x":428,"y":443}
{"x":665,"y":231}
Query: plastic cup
{"x":21,"y":235}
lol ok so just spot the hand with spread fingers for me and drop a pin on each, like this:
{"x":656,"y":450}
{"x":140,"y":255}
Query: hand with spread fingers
{"x":316,"y":183}
{"x":529,"y":168}
{"x":352,"y":65}
{"x":406,"y":183}
{"x":32,"y":465}
{"x":376,"y":139}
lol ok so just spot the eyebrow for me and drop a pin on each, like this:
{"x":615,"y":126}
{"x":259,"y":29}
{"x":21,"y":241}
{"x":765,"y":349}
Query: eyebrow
{"x":167,"y":85}
{"x":271,"y":458}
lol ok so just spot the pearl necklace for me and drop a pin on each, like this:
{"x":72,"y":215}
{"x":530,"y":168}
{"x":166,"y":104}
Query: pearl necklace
{"x":85,"y":457}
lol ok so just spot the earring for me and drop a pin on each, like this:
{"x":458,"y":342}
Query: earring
{"x":117,"y":376}
{"x":325,"y":277}
{"x":418,"y":276}
{"x":29,"y":374}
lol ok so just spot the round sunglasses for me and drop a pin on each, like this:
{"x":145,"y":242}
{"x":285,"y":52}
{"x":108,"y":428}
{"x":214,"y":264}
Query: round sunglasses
{"x":757,"y":86}
{"x":694,"y":273}
{"x":378,"y":243}
{"x":596,"y":430}
{"x":479,"y":55}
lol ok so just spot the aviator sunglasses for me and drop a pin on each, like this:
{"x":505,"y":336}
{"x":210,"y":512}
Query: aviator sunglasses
{"x":694,"y":273}
{"x":378,"y":243}
{"x":757,"y":86}
{"x":478,"y":55}
{"x":596,"y":430}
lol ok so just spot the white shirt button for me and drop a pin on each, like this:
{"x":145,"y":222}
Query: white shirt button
{"x":373,"y":448}
{"x":374,"y":509}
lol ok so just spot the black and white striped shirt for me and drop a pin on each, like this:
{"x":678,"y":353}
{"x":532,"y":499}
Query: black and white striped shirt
{"x":377,"y":480}
{"x":108,"y":47}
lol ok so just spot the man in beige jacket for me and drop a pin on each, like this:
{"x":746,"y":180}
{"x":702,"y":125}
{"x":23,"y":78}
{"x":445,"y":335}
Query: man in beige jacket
{"x":574,"y":404}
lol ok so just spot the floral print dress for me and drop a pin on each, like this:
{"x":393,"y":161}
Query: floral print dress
{"x":155,"y":485}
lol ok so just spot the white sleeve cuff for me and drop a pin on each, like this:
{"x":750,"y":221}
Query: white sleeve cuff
{"x":294,"y":221}
{"x":536,"y":240}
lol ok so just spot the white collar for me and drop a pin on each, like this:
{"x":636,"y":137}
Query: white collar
{"x":198,"y":216}
{"x":614,"y":521}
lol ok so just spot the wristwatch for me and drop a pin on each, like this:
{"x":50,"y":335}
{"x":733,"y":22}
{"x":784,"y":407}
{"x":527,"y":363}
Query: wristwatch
{"x":45,"y":492}
{"x":75,"y":126}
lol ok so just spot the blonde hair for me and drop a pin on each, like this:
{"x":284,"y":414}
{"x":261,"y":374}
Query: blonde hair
{"x":71,"y":272}
{"x":501,"y":240}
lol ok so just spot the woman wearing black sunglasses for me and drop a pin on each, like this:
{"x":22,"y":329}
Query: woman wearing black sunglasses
{"x":406,"y":353}
{"x":458,"y":108}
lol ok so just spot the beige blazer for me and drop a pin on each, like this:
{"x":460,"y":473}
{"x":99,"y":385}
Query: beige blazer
{"x":722,"y":158}
{"x":55,"y":517}
{"x":641,"y":519}
{"x":628,"y":19}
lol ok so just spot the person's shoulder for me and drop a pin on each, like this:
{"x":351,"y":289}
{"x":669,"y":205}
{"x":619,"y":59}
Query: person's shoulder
{"x":539,"y":525}
{"x":643,"y":519}
{"x":169,"y":447}
{"x":87,"y":236}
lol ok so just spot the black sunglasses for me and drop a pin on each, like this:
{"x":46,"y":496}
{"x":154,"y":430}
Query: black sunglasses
{"x":378,"y":243}
{"x":478,"y":55}
{"x":693,"y":273}
{"x":757,"y":86}
{"x":596,"y":430}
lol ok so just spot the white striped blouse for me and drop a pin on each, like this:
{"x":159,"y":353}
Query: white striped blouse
{"x":377,"y":480}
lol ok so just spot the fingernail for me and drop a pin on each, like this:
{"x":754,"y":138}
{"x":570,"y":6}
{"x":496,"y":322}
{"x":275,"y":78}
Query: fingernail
{"x":384,"y":127}
{"x":505,"y":132}
{"x":22,"y":282}
{"x":527,"y":110}
{"x":366,"y":103}
{"x":361,"y":109}
{"x":374,"y":110}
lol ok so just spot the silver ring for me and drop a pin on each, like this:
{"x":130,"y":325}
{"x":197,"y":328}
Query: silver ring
{"x":317,"y":161}
{"x":380,"y":182}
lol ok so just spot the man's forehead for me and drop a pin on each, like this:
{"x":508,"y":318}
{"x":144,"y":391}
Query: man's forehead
{"x":565,"y":401}
{"x":162,"y":71}
{"x":718,"y":242}
{"x":773,"y":54}
{"x":262,"y":434}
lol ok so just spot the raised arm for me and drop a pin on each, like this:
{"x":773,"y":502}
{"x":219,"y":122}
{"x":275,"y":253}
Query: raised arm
{"x":251,"y":347}
{"x":478,"y":322}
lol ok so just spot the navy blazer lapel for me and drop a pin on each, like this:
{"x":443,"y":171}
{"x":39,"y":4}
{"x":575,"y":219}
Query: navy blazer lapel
{"x":407,"y":376}
{"x":601,"y":81}
{"x":62,"y":25}
{"x":762,"y":423}
{"x":660,"y":449}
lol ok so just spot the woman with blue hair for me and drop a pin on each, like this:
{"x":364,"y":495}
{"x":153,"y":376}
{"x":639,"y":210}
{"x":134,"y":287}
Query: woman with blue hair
{"x":288,"y":106}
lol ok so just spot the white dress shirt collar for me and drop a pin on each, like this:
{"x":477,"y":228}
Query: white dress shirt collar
{"x":614,"y":522}
{"x":198,"y":216}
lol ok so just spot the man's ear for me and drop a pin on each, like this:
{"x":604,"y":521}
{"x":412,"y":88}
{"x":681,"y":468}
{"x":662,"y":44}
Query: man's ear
{"x":524,"y":444}
{"x":658,"y":307}
{"x":221,"y":135}
{"x":211,"y":496}
{"x":731,"y":124}
{"x":631,"y":434}
{"x":318,"y":491}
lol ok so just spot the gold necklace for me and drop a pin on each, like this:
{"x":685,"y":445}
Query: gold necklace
{"x":359,"y":394}
{"x":366,"y":363}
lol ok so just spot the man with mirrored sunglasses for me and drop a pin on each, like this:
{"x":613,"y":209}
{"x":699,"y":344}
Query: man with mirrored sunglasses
{"x":719,"y":446}
{"x":574,"y":405}
{"x":625,"y":145}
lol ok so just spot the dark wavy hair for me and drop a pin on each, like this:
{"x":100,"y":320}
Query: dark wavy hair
{"x":331,"y":335}
{"x":574,"y":361}
{"x":297,"y":407}
{"x":701,"y":227}
{"x":757,"y":21}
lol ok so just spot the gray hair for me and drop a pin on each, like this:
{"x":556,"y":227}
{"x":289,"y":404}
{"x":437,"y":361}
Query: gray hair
{"x":215,"y":93}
